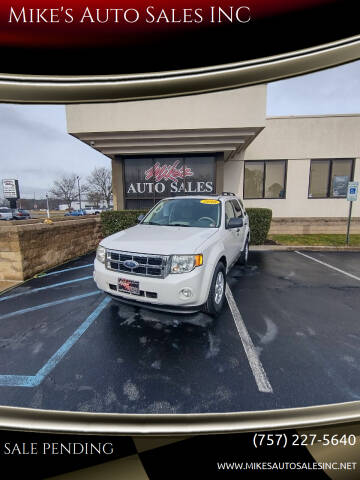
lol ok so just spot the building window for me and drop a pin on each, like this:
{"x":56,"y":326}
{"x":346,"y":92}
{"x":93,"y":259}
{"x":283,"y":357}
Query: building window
{"x":265,"y":179}
{"x":329,"y":178}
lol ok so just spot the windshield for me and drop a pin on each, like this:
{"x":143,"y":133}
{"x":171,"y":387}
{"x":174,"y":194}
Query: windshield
{"x":185,"y":212}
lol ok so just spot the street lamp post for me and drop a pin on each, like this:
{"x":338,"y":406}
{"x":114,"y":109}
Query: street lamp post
{"x":47,"y":206}
{"x":78,"y":180}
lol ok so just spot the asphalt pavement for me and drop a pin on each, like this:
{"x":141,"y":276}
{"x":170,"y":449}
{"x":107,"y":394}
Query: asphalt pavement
{"x":288,"y":337}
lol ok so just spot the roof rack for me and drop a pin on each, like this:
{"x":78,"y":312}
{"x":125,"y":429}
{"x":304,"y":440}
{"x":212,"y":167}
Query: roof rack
{"x":228,"y":194}
{"x":202,"y":194}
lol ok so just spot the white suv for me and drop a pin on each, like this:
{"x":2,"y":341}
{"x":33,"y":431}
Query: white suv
{"x":91,"y":210}
{"x":6,"y":213}
{"x":177,"y":257}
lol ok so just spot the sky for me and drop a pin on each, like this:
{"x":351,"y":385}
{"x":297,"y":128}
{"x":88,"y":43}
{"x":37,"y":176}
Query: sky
{"x":36,"y":149}
{"x":334,"y":90}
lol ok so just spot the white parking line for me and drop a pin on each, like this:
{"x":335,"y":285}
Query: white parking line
{"x":329,"y":266}
{"x":253,"y":359}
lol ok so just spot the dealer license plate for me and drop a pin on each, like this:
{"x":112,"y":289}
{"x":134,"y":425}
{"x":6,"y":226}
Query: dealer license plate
{"x":128,"y":286}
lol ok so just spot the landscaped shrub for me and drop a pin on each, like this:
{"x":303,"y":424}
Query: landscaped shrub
{"x":259,"y":220}
{"x":115,"y":220}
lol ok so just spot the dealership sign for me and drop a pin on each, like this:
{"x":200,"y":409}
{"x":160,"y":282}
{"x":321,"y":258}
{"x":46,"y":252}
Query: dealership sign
{"x":11,"y":188}
{"x":157,"y":177}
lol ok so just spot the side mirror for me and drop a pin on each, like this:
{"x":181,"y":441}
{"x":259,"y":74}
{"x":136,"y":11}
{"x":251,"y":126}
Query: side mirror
{"x":140,"y":218}
{"x":235,"y":222}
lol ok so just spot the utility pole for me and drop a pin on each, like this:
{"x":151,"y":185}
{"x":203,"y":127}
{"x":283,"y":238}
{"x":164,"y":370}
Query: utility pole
{"x":78,"y":180}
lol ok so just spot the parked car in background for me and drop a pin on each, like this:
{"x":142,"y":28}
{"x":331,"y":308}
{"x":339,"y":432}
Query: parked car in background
{"x":75,"y":213}
{"x":20,"y":214}
{"x":6,"y":213}
{"x":92,"y":210}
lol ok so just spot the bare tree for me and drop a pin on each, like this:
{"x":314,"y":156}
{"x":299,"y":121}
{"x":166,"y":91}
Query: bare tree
{"x":65,"y":188}
{"x":94,"y":198}
{"x":100,"y":182}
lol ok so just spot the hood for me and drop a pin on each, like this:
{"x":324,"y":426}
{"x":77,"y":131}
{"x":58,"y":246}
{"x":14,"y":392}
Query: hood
{"x":160,"y":240}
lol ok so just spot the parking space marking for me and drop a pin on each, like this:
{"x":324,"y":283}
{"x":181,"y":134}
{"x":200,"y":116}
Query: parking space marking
{"x":35,"y":380}
{"x":66,"y":270}
{"x":255,"y":364}
{"x":44,"y":288}
{"x":49,"y":304}
{"x":329,"y":266}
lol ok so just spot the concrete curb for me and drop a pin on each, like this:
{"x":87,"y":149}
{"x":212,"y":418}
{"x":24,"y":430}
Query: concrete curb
{"x":292,"y":248}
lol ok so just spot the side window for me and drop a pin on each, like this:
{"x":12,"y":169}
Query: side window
{"x":242,"y":205}
{"x":229,"y":212}
{"x":237,"y":208}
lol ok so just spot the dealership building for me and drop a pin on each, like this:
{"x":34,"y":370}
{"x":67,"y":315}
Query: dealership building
{"x":299,"y":166}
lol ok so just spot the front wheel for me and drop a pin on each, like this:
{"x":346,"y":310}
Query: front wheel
{"x":243,"y":259}
{"x":216,"y":298}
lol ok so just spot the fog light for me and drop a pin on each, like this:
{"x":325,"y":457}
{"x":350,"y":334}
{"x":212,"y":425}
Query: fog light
{"x":186,"y":292}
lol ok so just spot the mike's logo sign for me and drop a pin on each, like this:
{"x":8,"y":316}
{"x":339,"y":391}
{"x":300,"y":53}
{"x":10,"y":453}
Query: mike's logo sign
{"x":168,"y":172}
{"x":149,"y":178}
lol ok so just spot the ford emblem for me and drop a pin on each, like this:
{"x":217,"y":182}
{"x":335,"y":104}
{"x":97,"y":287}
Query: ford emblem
{"x":131,"y":264}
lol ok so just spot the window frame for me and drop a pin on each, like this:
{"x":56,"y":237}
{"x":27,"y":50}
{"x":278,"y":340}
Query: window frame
{"x":265,"y":162}
{"x":328,"y":190}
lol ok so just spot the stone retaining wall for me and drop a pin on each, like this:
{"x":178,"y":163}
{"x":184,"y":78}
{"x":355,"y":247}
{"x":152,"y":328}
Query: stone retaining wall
{"x":26,"y":250}
{"x":29,"y":249}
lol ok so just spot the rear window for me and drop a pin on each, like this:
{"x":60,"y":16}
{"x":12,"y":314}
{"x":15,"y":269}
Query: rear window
{"x":5,"y":210}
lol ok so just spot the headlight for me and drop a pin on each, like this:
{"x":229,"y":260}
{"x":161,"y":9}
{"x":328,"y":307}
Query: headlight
{"x":185,"y":263}
{"x":101,"y":253}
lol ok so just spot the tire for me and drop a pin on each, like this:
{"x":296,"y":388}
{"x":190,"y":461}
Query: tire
{"x":243,"y":259}
{"x":216,"y":298}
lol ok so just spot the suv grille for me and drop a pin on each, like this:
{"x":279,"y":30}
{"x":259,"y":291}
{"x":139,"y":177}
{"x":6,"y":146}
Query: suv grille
{"x":147,"y":265}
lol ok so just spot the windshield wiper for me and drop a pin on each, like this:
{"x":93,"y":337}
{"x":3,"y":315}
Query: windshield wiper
{"x":177,"y":225}
{"x":166,"y":224}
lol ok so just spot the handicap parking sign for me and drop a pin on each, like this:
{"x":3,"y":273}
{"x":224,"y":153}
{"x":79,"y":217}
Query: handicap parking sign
{"x":352,"y":191}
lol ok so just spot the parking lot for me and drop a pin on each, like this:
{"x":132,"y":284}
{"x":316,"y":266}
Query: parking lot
{"x":288,"y":337}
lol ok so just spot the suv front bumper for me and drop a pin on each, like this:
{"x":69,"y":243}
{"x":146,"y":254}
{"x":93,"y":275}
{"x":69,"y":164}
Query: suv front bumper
{"x":162,"y":292}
